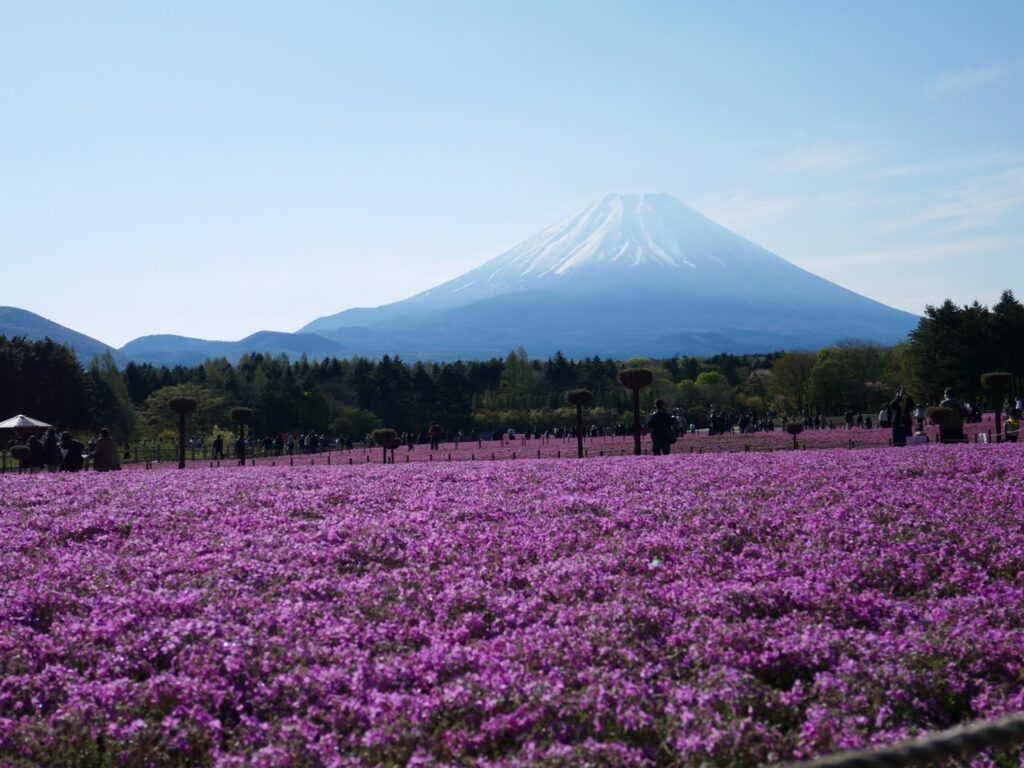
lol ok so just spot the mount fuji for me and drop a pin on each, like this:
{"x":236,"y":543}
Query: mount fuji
{"x":631,"y":275}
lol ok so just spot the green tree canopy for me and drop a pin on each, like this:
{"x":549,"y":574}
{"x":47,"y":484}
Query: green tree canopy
{"x":155,"y":416}
{"x":789,"y":377}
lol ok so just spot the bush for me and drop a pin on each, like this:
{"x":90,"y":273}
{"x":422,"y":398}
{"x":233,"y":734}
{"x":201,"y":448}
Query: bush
{"x":384,"y":437}
{"x":182,"y":406}
{"x":635,"y":378}
{"x":579,"y":397}
{"x":242,"y":415}
{"x":997,"y":381}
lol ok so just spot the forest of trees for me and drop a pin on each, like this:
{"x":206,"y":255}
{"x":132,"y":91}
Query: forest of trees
{"x":952,"y":346}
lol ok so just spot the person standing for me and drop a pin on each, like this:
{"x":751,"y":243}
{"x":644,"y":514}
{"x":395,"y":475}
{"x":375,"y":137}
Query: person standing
{"x":1011,"y":427}
{"x":104,"y":455}
{"x":51,"y":450}
{"x":660,"y":424}
{"x":678,"y":422}
{"x":902,"y":412}
{"x":434,"y":433}
{"x":71,"y":451}
{"x":953,"y":430}
{"x":919,"y":414}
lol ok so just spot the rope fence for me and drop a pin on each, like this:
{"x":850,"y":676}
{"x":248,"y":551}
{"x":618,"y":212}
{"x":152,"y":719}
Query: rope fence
{"x":961,"y":741}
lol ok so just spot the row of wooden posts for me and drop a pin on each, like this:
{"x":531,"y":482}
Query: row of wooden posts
{"x":388,"y":439}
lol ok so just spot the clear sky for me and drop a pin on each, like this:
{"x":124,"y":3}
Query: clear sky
{"x":217,"y":168}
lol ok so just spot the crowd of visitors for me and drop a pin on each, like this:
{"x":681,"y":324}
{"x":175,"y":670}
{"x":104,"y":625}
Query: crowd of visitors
{"x":60,"y":452}
{"x":57,"y":451}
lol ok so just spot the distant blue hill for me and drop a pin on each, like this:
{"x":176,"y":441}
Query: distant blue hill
{"x":168,"y":349}
{"x":21,"y":322}
{"x":165,"y":349}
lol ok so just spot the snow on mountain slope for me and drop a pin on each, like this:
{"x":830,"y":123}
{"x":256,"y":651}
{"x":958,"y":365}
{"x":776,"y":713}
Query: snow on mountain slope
{"x":622,"y":237}
{"x":622,"y":242}
{"x":629,"y":230}
{"x":615,"y":274}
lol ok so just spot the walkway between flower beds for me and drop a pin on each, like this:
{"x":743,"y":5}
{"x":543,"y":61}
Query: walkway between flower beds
{"x":595,"y":447}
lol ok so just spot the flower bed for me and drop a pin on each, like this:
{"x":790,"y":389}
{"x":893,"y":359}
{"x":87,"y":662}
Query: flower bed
{"x":727,"y":608}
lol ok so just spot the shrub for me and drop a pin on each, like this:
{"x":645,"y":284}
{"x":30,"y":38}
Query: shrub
{"x":997,"y":381}
{"x":241,"y":415}
{"x":182,"y":406}
{"x":579,"y":397}
{"x":388,"y":440}
{"x":636,"y":379}
{"x":23,"y":454}
{"x":794,"y":428}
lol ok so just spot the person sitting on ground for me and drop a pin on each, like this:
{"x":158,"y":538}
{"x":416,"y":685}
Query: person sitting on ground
{"x":104,"y":455}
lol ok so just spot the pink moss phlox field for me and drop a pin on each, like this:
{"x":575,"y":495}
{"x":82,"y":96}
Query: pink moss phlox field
{"x":724,"y":609}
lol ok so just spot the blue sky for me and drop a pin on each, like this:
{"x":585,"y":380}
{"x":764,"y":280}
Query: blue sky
{"x":214,"y":169}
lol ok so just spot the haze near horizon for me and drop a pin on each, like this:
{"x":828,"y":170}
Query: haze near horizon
{"x":215,"y":171}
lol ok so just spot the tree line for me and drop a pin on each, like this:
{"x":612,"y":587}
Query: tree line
{"x":951,"y":346}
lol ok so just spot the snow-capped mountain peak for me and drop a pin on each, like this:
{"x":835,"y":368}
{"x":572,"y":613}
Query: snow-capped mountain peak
{"x":619,"y":237}
{"x":620,"y":229}
{"x":629,"y":275}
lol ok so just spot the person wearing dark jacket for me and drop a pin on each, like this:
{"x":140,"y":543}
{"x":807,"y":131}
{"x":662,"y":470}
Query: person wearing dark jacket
{"x":104,"y":455}
{"x":902,"y":410}
{"x":953,"y":430}
{"x":71,"y":452}
{"x":661,"y":426}
{"x":51,"y":450}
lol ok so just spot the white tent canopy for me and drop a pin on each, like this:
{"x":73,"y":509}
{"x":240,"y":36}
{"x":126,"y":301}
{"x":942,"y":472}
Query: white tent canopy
{"x":23,"y":422}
